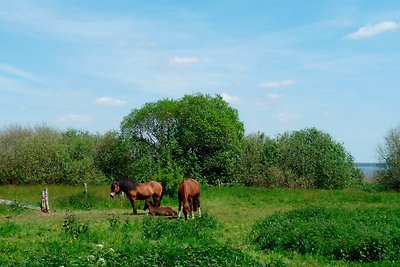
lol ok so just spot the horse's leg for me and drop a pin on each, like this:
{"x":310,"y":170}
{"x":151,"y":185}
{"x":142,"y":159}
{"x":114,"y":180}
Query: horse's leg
{"x":191,"y":204}
{"x":134,"y":211}
{"x":198,"y":204}
{"x":156,"y":200}
{"x":179,"y":207}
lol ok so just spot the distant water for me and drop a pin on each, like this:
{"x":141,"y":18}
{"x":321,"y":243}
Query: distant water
{"x":369,"y":169}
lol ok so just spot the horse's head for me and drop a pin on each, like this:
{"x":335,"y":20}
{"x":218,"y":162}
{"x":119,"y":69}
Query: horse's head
{"x":115,"y":188}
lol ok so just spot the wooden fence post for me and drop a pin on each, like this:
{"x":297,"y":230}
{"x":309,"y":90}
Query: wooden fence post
{"x":45,"y":201}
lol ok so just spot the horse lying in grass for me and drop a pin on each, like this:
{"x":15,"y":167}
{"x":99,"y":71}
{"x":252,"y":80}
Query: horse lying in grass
{"x":162,"y":211}
{"x":189,"y":196}
{"x":138,"y":191}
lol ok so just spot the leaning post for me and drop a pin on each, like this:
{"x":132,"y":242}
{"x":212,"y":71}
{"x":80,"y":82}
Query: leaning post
{"x":45,"y":201}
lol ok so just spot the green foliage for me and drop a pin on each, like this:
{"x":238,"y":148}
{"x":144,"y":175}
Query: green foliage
{"x":259,"y":156}
{"x":199,"y":132}
{"x":312,"y":159}
{"x":31,"y":156}
{"x":307,"y":159}
{"x":195,"y":229}
{"x":170,"y":178}
{"x":43,"y":155}
{"x":389,"y":153}
{"x":80,"y":201}
{"x":73,"y":227}
{"x":209,"y":135}
{"x":364,"y":235}
{"x":79,"y":163}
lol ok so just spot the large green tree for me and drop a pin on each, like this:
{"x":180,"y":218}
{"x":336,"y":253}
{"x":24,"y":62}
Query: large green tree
{"x":198,"y":134}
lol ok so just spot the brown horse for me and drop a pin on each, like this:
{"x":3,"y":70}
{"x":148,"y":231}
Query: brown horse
{"x":135,"y":191}
{"x":163,"y":211}
{"x":189,"y":195}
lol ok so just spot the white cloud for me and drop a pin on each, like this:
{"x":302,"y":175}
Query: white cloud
{"x":288,"y":116}
{"x":108,"y":101}
{"x":275,"y":84}
{"x":182,"y":61}
{"x":274,"y":97}
{"x":73,"y":118}
{"x":373,"y":29}
{"x":230,"y":98}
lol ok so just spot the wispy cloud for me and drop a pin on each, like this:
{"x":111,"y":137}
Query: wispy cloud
{"x":274,"y":97}
{"x":74,"y":118}
{"x":18,"y":72}
{"x":370,"y":29}
{"x":108,"y":101}
{"x":67,"y":24}
{"x":276,"y":84}
{"x":288,"y":116}
{"x":230,"y":98}
{"x":182,"y":61}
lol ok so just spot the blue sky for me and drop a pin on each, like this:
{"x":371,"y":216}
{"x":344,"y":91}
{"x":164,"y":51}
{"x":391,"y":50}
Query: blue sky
{"x":284,"y":65}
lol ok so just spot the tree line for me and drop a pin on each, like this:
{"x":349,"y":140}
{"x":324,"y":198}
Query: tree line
{"x":197,"y":136}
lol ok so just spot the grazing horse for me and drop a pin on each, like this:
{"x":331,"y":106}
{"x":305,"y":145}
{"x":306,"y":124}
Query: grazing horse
{"x":137,"y":191}
{"x":163,"y":211}
{"x":189,"y":195}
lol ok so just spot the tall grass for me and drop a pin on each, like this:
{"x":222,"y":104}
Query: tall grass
{"x":363,"y":235}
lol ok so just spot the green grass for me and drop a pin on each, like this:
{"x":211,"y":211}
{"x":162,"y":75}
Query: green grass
{"x":85,"y":229}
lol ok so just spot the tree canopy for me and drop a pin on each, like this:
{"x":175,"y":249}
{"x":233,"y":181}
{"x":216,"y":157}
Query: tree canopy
{"x":199,"y":133}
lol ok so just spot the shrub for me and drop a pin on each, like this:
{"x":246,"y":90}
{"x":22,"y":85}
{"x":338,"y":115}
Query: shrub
{"x":389,"y":153}
{"x":73,"y":227}
{"x":316,"y":160}
{"x":38,"y":157}
{"x":258,"y":155}
{"x":43,"y":155}
{"x":170,"y":178}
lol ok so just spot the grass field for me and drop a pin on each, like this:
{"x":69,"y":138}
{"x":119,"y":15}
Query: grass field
{"x":94,"y":230}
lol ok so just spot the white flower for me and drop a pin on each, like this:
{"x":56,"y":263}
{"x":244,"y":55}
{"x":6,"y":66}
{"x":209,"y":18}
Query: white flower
{"x":100,"y":246}
{"x":101,"y":262}
{"x":91,"y":258}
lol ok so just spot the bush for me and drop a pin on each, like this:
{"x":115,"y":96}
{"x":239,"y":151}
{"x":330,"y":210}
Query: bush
{"x":314,"y":160}
{"x":31,"y":156}
{"x":170,"y":178}
{"x":259,"y":155}
{"x":43,"y":155}
{"x":73,"y":228}
{"x":389,"y":153}
{"x":365,"y":235}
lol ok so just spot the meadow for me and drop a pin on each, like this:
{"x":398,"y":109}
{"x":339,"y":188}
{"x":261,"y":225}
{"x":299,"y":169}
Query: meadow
{"x":240,"y":226}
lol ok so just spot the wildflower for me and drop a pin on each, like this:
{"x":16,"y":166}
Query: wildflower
{"x":101,"y":262}
{"x":91,"y":257}
{"x":100,"y":246}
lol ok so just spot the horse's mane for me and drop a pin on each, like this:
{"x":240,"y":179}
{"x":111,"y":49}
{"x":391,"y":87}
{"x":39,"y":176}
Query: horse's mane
{"x":127,"y":185}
